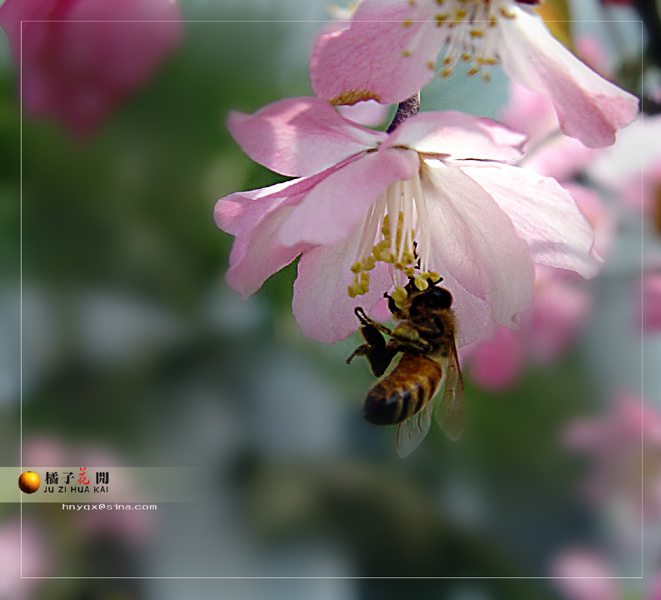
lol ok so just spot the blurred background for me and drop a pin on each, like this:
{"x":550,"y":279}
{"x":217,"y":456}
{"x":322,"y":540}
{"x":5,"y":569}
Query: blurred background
{"x":135,"y":353}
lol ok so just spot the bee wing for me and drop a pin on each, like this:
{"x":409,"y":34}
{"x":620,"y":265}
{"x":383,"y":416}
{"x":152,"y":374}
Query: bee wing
{"x":451,"y":413}
{"x":412,"y":431}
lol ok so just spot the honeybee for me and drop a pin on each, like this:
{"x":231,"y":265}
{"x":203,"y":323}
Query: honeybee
{"x":429,"y":365}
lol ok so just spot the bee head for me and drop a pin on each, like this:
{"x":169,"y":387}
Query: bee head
{"x":433,"y":298}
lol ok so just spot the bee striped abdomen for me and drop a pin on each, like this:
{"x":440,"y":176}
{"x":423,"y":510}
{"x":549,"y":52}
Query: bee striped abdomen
{"x":404,"y":392}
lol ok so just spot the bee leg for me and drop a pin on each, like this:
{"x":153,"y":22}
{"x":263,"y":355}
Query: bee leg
{"x":378,"y":353}
{"x":404,"y":338}
{"x":368,"y":322}
{"x":379,"y":357}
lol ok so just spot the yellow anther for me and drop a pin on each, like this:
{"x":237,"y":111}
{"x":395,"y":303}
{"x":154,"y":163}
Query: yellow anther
{"x":439,"y":2}
{"x":399,"y":296}
{"x":431,"y":66}
{"x":382,"y":245}
{"x":491,"y":61}
{"x":440,"y":19}
{"x":447,"y":60}
{"x":400,"y":266}
{"x":351,"y":292}
{"x":409,"y":271}
{"x":364,"y":288}
{"x":465,"y":56}
{"x":460,"y":15}
{"x":368,"y":263}
{"x":388,"y":256}
{"x":486,"y":77}
{"x":420,"y":282}
{"x":364,"y":277}
{"x":406,"y":53}
{"x":357,"y":267}
{"x":434,"y":275}
{"x":407,"y":23}
{"x":472,"y":71}
{"x":477,"y":33}
{"x":408,"y":257}
{"x":446,"y":73}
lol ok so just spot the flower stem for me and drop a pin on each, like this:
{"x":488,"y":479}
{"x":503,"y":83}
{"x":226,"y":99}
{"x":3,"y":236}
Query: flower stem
{"x":406,"y":109}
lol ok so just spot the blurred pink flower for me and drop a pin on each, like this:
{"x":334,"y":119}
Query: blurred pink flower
{"x":497,"y":363}
{"x":584,"y":576}
{"x":389,"y":51}
{"x":559,"y":308}
{"x":650,"y":307}
{"x":631,"y":168}
{"x":481,"y":224}
{"x":128,"y":526}
{"x":75,"y":66}
{"x":36,"y":561}
{"x":618,"y":454}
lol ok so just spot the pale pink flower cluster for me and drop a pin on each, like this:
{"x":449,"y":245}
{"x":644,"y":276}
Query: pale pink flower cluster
{"x":128,"y":527}
{"x":79,"y":58}
{"x":438,"y":193}
{"x":24,"y":558}
{"x":583,"y":574}
{"x":624,"y":447}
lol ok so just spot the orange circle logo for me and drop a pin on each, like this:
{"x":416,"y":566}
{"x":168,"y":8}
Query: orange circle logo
{"x":29,"y":482}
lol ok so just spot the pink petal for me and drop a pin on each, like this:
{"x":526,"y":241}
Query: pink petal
{"x":388,"y":54}
{"x":255,"y":218}
{"x":242,"y":210}
{"x":323,"y":309}
{"x":300,"y":136}
{"x":369,"y":113}
{"x":589,"y":107}
{"x":458,"y":136}
{"x":330,"y":210}
{"x":544,"y":214}
{"x":477,"y":243}
{"x":259,"y":254}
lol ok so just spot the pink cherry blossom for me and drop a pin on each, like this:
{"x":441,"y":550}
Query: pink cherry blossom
{"x":616,"y":444}
{"x":366,"y":206}
{"x":390,"y":48}
{"x":75,"y":67}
